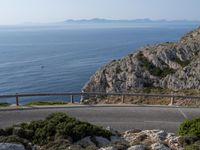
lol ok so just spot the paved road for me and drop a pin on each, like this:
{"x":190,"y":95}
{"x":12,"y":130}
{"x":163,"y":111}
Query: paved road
{"x":120,"y":118}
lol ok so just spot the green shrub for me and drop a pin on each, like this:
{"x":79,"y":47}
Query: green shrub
{"x":56,"y":125}
{"x":187,"y":140}
{"x":190,"y":130}
{"x":78,"y":130}
{"x":182,"y":63}
{"x":2,"y":132}
{"x":9,"y":131}
{"x":190,"y":127}
{"x":41,"y":137}
{"x":197,"y":143}
{"x":23,"y":133}
{"x":192,"y":147}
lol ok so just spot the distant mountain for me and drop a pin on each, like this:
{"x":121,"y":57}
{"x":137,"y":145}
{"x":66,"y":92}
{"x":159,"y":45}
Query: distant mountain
{"x":146,"y":20}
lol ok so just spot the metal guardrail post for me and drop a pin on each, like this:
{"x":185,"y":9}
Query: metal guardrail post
{"x":172,"y":100}
{"x":72,"y":98}
{"x":123,"y":99}
{"x":17,"y":100}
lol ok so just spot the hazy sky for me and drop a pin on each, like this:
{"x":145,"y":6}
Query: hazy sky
{"x":20,"y":11}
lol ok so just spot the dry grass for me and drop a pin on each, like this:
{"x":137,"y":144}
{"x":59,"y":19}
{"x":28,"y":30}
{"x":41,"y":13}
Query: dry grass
{"x":41,"y":103}
{"x":2,"y":104}
{"x":143,"y":100}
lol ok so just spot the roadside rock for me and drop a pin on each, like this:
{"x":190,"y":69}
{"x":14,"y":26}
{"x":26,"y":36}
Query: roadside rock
{"x":129,"y":140}
{"x":137,"y":147}
{"x":173,"y":141}
{"x":74,"y":147}
{"x":156,"y":135}
{"x":153,"y":138}
{"x":102,"y":142}
{"x":108,"y":148}
{"x":118,"y":139}
{"x":96,"y":141}
{"x":85,"y":142}
{"x":145,"y":136}
{"x":9,"y":146}
{"x":159,"y":146}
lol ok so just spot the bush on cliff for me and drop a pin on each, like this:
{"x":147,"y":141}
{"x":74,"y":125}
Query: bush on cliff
{"x":153,"y":70}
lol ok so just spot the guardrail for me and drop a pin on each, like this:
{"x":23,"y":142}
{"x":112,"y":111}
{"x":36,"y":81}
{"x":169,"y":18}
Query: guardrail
{"x":73,"y":94}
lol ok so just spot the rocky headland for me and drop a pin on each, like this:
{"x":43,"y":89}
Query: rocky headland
{"x":163,"y":67}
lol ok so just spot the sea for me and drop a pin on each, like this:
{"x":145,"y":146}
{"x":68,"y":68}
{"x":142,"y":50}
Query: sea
{"x":61,"y":58}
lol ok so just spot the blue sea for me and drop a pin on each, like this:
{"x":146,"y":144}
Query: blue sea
{"x":62,"y":59}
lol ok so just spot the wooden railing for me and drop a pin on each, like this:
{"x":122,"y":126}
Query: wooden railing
{"x":73,"y":94}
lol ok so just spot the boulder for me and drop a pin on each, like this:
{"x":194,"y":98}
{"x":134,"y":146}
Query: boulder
{"x":108,"y":148}
{"x":137,"y":138}
{"x":159,"y":146}
{"x":156,"y":135}
{"x":118,"y":139}
{"x":85,"y":142}
{"x":137,"y":147}
{"x":101,"y":142}
{"x":11,"y":146}
{"x":74,"y":147}
{"x":173,"y":142}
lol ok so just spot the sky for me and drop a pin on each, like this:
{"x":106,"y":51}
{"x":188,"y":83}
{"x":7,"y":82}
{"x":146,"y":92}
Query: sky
{"x":46,"y":11}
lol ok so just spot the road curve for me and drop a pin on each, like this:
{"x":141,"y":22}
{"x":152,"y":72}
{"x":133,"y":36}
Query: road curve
{"x":118,"y":117}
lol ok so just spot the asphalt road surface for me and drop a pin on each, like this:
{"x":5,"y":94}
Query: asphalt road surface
{"x":120,"y":118}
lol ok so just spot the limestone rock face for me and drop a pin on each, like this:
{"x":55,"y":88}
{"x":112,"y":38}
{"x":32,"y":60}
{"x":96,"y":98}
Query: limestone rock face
{"x":174,"y":66}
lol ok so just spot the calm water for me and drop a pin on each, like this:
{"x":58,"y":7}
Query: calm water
{"x":53,"y":59}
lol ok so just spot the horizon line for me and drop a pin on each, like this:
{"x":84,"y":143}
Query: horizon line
{"x":99,"y":19}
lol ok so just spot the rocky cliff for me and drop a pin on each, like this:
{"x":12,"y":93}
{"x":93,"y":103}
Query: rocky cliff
{"x":174,"y":66}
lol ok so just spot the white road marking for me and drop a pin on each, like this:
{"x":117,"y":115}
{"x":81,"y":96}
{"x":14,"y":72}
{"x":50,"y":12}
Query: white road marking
{"x":184,"y":115}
